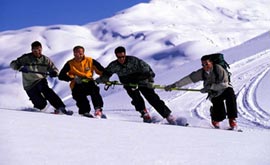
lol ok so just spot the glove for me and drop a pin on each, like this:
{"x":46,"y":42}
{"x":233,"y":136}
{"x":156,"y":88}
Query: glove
{"x":98,"y":80}
{"x":101,"y":80}
{"x":151,"y":79}
{"x":53,"y":74}
{"x":204,"y":90}
{"x":169,"y":87}
{"x":78,"y":80}
{"x":23,"y":69}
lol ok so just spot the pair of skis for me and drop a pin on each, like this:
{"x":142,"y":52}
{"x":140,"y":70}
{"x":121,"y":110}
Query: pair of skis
{"x":182,"y":121}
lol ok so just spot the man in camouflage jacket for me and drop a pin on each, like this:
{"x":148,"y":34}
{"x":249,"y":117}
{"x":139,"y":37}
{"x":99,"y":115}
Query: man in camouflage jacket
{"x":132,"y":70}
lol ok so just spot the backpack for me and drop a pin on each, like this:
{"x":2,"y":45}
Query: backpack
{"x":217,"y":58}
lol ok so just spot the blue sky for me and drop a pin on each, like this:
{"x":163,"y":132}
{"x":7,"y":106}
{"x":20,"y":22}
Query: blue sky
{"x":17,"y":14}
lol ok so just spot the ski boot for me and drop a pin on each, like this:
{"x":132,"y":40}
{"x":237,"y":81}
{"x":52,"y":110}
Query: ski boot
{"x":232,"y":123}
{"x":146,"y":117}
{"x":63,"y":110}
{"x":99,"y":114}
{"x":215,"y":124}
{"x":171,"y":120}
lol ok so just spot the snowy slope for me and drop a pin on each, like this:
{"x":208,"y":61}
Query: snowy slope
{"x":34,"y":138}
{"x":171,"y":35}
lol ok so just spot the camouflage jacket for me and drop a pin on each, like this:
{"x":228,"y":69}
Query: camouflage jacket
{"x":134,"y":70}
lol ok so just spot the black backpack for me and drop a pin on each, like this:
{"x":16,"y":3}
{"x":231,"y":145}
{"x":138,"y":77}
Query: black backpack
{"x":218,"y":58}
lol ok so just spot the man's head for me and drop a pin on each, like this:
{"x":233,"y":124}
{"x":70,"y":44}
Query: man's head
{"x":207,"y":64}
{"x":120,"y":53}
{"x":36,"y":48}
{"x":78,"y":52}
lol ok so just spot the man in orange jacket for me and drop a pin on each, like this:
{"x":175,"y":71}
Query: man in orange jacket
{"x":80,"y":71}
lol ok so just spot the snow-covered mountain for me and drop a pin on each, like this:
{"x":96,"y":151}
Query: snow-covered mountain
{"x":171,"y":35}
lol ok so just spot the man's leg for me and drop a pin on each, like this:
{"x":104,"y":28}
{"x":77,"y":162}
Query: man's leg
{"x":36,"y":98}
{"x":93,"y":90}
{"x":231,"y":104}
{"x":155,"y":101}
{"x":50,"y":95}
{"x":136,"y":97}
{"x":81,"y":99}
{"x":218,"y":112}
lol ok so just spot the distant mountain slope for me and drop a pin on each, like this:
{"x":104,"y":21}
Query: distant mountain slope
{"x":171,"y":35}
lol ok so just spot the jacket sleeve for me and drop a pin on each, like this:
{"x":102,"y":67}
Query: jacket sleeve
{"x":14,"y":65}
{"x":63,"y":75}
{"x":18,"y":63}
{"x":107,"y":72}
{"x":99,"y":69}
{"x":52,"y":67}
{"x":182,"y":82}
{"x":143,"y":73}
{"x":146,"y":69}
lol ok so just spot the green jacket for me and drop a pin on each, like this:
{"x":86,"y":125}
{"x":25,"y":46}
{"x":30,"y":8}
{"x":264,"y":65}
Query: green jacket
{"x":42,"y":64}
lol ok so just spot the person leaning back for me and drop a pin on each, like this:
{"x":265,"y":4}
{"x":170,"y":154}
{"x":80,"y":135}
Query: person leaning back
{"x":34,"y":67}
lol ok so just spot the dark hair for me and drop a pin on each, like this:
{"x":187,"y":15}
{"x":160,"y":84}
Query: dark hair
{"x":36,"y":44}
{"x":78,"y":47}
{"x":206,"y":57}
{"x":120,"y":49}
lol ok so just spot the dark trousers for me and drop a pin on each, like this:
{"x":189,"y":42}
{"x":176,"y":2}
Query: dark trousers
{"x":80,"y":93}
{"x":150,"y":96}
{"x":41,"y":92}
{"x":218,"y":111}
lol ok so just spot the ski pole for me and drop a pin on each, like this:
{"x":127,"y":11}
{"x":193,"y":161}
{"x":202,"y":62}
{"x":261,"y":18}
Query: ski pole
{"x":176,"y":88}
{"x":30,"y":71}
{"x":155,"y":86}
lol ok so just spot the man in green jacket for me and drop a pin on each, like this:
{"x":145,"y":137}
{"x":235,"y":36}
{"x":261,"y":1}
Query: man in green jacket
{"x":35,"y":68}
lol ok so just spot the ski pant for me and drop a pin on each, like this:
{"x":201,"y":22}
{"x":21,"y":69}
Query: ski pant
{"x":218,"y":111}
{"x":40,"y":93}
{"x":150,"y":96}
{"x":80,"y":93}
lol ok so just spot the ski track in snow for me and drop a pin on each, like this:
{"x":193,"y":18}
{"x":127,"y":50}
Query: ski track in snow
{"x":245,"y":85}
{"x":248,"y":107}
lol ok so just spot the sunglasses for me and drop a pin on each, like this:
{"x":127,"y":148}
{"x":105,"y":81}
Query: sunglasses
{"x":120,"y":57}
{"x":206,"y":64}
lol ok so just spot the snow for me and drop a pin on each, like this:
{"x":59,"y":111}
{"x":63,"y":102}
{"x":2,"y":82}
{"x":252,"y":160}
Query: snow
{"x":172,"y":42}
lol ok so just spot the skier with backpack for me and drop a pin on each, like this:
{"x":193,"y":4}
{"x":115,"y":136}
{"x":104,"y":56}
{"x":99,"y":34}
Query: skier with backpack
{"x":216,"y":82}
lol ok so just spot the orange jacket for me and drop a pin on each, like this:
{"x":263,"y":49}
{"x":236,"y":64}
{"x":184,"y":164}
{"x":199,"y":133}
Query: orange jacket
{"x":83,"y":69}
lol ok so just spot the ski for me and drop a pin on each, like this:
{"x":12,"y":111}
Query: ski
{"x":235,"y":129}
{"x":68,"y":112}
{"x":179,"y":121}
{"x":219,"y":129}
{"x":89,"y":115}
